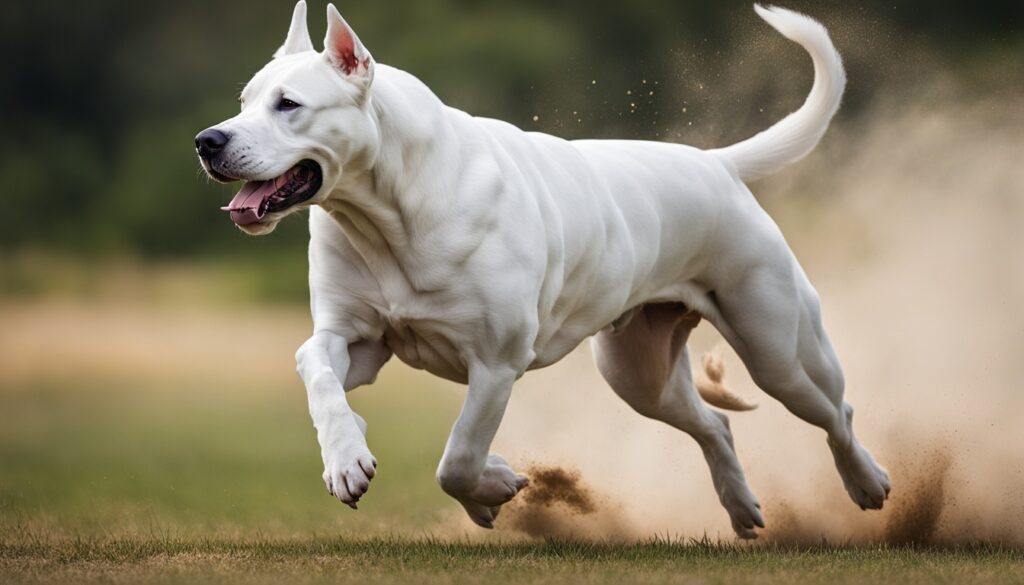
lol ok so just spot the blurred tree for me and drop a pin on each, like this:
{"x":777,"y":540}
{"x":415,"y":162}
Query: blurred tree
{"x":103,"y":98}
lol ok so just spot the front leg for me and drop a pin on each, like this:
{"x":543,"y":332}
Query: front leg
{"x":480,"y":482}
{"x":323,"y":362}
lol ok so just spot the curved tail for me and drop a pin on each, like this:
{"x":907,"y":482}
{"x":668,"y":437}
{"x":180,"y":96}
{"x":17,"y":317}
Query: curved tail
{"x":797,"y":134}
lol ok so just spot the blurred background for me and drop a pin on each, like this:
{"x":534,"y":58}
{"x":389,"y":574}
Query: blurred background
{"x":146,"y":375}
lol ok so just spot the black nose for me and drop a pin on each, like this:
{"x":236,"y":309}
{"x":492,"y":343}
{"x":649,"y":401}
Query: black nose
{"x":210,"y":142}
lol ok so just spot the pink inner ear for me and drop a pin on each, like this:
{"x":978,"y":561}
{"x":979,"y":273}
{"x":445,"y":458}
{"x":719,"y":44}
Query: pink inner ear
{"x":343,"y":49}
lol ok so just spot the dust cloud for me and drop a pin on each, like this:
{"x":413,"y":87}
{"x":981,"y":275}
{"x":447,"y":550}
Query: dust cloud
{"x":913,"y":515}
{"x":909,"y":220}
{"x":553,"y":505}
{"x":554,"y":485}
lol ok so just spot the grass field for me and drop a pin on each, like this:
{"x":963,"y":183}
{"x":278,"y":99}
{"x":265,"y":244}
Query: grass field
{"x":403,"y":560}
{"x":120,"y":420}
{"x":155,"y":441}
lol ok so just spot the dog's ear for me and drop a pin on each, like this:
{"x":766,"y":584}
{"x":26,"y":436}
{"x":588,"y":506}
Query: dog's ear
{"x":344,"y":49}
{"x":298,"y":35}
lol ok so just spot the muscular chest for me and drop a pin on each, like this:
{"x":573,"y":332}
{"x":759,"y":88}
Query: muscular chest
{"x":432,"y":340}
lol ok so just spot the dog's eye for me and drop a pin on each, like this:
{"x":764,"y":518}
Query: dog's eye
{"x":287,"y":105}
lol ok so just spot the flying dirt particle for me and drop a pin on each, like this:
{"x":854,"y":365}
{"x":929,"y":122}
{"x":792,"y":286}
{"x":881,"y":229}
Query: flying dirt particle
{"x":553,"y":485}
{"x":557,"y":504}
{"x":915,"y":517}
{"x":912,"y":516}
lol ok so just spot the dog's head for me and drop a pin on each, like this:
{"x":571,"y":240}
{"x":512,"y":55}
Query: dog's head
{"x":306,"y":120}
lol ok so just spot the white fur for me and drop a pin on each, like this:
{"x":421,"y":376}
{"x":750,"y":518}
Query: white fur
{"x":477,"y":251}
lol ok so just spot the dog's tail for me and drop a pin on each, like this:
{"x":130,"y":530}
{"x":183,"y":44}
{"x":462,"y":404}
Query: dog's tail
{"x":796,"y":135}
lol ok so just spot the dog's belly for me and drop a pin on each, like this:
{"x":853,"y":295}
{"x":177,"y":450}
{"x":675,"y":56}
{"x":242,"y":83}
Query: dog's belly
{"x":438,"y":356}
{"x":425,"y":348}
{"x":436,"y":345}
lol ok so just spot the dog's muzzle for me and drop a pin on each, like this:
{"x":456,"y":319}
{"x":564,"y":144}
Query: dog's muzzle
{"x":258,"y":198}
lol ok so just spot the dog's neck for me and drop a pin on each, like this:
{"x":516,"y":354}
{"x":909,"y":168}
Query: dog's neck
{"x":397,"y":212}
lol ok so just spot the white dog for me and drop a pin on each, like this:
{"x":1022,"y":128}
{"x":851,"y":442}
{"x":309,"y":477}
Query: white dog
{"x":477,"y":251}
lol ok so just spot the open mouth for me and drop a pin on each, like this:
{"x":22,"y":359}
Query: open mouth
{"x":258,"y":198}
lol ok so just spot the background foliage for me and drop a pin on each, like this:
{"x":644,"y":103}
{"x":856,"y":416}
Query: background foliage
{"x":102,"y":99}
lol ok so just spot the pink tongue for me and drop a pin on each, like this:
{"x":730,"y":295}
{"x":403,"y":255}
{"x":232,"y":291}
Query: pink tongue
{"x":249,"y":205}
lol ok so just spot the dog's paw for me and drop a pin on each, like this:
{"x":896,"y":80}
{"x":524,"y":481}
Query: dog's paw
{"x":481,"y":515}
{"x":866,"y":481}
{"x":498,"y":484}
{"x":744,"y":510}
{"x":348,"y":470}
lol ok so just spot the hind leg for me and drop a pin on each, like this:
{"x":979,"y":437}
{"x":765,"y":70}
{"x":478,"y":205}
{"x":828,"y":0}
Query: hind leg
{"x":647,"y":365}
{"x":772,"y":319}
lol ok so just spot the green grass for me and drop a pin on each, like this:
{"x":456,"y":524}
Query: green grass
{"x":427,"y":561}
{"x":159,"y":484}
{"x":215,"y":461}
{"x":119,"y":475}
